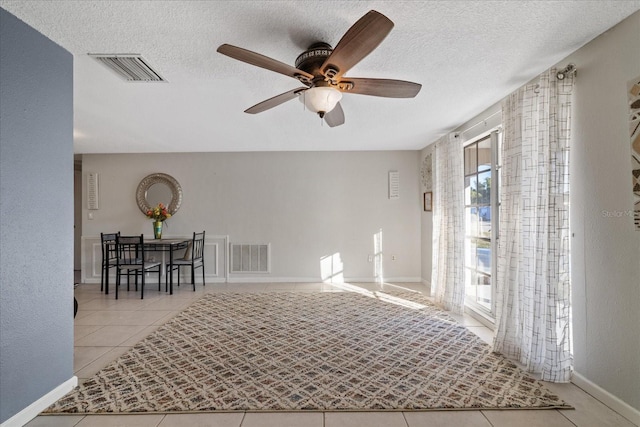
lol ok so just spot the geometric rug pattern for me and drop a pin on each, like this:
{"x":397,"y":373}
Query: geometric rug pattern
{"x":296,"y":351}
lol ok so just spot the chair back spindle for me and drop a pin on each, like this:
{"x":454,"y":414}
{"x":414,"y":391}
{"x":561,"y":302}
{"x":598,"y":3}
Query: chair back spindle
{"x":131,"y":260}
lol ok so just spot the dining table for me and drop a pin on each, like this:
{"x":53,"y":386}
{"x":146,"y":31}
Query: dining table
{"x":166,"y":245}
{"x":162,"y":245}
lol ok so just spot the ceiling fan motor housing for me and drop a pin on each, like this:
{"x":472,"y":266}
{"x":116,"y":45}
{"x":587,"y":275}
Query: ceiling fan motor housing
{"x":312,"y":59}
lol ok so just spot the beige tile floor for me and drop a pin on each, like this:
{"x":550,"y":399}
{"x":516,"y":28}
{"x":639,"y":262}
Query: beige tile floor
{"x":106,"y":328}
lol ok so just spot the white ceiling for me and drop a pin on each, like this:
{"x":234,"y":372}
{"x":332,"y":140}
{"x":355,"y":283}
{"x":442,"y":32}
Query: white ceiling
{"x":466,"y":54}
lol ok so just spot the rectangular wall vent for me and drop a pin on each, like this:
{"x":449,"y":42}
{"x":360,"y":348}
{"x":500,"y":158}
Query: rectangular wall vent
{"x":131,"y":67}
{"x":249,"y":258}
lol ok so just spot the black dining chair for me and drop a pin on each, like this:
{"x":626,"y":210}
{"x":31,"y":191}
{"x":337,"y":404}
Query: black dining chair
{"x":109,"y":256}
{"x":193,"y":257}
{"x":131,"y":260}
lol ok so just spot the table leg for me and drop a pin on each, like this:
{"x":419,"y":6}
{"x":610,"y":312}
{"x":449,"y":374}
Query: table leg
{"x":171,"y":269}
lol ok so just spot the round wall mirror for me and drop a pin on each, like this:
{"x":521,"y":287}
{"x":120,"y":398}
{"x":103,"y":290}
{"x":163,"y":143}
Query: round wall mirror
{"x":159,"y":188}
{"x":159,"y":193}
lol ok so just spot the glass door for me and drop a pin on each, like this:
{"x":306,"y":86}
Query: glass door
{"x":480,"y":198}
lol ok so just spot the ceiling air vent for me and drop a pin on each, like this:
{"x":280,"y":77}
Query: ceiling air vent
{"x":131,"y":67}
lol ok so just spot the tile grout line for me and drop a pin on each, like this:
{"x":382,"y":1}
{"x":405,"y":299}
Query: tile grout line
{"x":562,"y":413}
{"x":487,"y":418}
{"x":404,"y":417}
{"x":161,"y":420}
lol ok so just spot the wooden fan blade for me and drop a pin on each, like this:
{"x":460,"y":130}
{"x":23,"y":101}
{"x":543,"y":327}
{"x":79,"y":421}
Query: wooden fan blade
{"x":380,"y":87}
{"x":359,"y":41}
{"x":262,"y":61}
{"x":275,"y":101}
{"x":335,"y":117}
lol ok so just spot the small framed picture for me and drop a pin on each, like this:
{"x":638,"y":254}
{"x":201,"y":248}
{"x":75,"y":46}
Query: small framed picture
{"x":428,"y":202}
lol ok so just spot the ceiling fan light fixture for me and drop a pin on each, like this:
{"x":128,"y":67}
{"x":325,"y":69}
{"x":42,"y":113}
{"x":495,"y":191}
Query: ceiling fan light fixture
{"x":321,"y":99}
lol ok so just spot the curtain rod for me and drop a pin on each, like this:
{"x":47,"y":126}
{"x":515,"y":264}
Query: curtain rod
{"x":566,"y":71}
{"x":560,"y":75}
{"x":481,"y":122}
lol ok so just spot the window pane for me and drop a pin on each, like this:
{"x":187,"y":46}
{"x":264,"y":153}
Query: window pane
{"x":471,"y":221}
{"x":484,"y":221}
{"x":484,"y":155}
{"x":483,"y":290}
{"x":483,"y":187}
{"x":470,"y":156}
{"x":473,"y":189}
{"x":483,"y":251}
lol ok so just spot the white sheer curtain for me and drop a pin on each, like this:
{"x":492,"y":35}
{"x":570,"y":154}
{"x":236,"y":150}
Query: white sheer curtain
{"x":447,"y":276}
{"x":533,"y":283}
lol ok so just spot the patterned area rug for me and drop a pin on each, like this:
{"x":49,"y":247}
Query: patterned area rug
{"x":308,"y":351}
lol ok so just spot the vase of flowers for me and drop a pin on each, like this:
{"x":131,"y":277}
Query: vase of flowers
{"x":158,"y":214}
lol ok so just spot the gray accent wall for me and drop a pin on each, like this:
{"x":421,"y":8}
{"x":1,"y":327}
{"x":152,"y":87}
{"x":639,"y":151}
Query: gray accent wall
{"x":36,"y":215}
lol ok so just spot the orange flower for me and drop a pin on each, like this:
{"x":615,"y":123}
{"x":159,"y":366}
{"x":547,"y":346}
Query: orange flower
{"x":159,"y":213}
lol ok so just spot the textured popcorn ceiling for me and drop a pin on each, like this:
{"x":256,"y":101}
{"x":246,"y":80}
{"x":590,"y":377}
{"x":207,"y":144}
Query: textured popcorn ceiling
{"x":466,"y":54}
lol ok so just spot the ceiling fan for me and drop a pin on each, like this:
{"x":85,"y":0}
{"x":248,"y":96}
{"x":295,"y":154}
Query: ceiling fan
{"x":322,"y":70}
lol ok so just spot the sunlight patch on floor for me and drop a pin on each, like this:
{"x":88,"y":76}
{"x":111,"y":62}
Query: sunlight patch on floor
{"x":382,"y":296}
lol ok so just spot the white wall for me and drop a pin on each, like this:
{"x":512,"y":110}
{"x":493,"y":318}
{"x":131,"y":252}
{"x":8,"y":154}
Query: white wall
{"x":77,"y":216}
{"x":307,"y":205}
{"x":426,"y":225}
{"x":605,"y":250}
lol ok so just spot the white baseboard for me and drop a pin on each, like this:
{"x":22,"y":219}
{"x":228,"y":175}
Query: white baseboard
{"x":613,"y":402}
{"x":32,"y":411}
{"x":399,"y":279}
{"x":403,"y":280}
{"x":271,"y":279}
